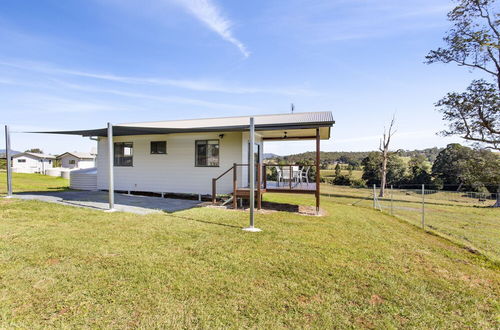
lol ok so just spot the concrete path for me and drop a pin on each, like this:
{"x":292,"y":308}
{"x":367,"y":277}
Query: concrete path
{"x":99,"y":200}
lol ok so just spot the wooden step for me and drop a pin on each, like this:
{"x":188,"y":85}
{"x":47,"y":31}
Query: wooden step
{"x":245,"y":192}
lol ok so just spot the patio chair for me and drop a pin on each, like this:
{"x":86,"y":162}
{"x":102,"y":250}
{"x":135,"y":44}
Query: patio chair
{"x":304,"y":175}
{"x":286,"y":174}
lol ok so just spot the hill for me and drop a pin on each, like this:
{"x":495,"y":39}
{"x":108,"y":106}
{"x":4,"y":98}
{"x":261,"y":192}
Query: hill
{"x":349,"y":157}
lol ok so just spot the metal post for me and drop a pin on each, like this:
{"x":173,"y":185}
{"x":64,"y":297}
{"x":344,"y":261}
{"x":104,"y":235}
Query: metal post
{"x":252,"y":177}
{"x":423,"y":206}
{"x":318,"y":170}
{"x":392,"y":199}
{"x":9,"y":165}
{"x":374,"y":197}
{"x":111,"y":188}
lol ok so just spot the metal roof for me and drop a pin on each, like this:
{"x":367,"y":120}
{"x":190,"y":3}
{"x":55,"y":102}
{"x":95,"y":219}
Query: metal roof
{"x":80,"y":155}
{"x":34,"y":154}
{"x":304,"y":120}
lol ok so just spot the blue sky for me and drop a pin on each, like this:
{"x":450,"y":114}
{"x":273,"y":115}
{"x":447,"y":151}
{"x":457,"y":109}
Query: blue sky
{"x":79,"y":64}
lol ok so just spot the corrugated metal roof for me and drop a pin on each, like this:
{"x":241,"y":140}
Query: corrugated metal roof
{"x":34,"y":154}
{"x":81,"y":155}
{"x":304,"y":120}
{"x":276,"y":119}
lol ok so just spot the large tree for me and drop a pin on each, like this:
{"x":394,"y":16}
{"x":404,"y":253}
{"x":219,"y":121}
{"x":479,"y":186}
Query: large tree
{"x":372,"y":168}
{"x":473,"y":42}
{"x":462,"y":168}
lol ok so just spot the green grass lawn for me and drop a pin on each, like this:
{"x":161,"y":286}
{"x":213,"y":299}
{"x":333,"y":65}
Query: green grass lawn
{"x":62,"y":266}
{"x":461,"y":219}
{"x":32,"y":182}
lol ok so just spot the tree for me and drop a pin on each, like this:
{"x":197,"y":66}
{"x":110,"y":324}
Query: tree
{"x":35,"y":150}
{"x":384,"y":149}
{"x":372,"y":165}
{"x":338,"y":170}
{"x":474,"y":42}
{"x":463,"y":168}
{"x":419,"y":169}
{"x":474,"y":114}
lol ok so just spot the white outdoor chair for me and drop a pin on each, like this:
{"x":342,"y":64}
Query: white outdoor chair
{"x":286,"y":176}
{"x":304,"y":174}
{"x":279,"y":175}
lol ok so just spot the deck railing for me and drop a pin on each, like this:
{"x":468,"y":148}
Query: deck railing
{"x":293,"y":177}
{"x":290,"y":175}
{"x":235,"y":171}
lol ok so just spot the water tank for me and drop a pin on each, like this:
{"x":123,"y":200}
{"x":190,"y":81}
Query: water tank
{"x":53,"y":172}
{"x":85,"y":179}
{"x":65,"y":173}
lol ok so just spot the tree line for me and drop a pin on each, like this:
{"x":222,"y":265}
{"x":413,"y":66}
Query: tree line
{"x":456,"y":167}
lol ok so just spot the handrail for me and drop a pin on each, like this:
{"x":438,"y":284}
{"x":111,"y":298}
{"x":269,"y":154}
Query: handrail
{"x":214,"y":182}
{"x":220,"y":176}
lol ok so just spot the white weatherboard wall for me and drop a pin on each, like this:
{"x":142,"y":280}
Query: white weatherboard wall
{"x":30,"y":164}
{"x":174,"y":172}
{"x":79,"y":163}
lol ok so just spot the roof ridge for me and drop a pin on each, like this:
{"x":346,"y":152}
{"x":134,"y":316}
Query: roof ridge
{"x":227,"y":117}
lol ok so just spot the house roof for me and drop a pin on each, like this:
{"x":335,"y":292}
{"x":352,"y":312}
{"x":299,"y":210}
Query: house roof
{"x":34,"y":154}
{"x":80,"y":155}
{"x":290,"y":122}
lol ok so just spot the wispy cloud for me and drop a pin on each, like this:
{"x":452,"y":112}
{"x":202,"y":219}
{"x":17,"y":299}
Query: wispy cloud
{"x":211,"y":15}
{"x":166,"y":99}
{"x":37,"y":103}
{"x":196,"y":85}
{"x":343,"y":20}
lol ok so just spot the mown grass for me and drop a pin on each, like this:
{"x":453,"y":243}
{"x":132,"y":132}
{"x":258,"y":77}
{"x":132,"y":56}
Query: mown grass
{"x":23,"y":182}
{"x":356,"y":267}
{"x":464,"y":220}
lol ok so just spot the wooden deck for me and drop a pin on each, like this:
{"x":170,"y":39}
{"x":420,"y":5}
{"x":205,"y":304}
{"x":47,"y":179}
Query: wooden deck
{"x":297,"y":188}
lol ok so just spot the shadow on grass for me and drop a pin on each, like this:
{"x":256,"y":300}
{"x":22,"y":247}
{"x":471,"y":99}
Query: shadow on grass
{"x":203,"y":221}
{"x":429,"y":201}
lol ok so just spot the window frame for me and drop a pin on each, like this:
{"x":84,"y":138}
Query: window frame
{"x":157,"y":153}
{"x":72,"y":162}
{"x":196,"y":153}
{"x":114,"y":154}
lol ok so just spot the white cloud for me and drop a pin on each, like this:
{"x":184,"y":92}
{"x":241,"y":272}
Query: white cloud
{"x":210,"y":14}
{"x":196,"y":85}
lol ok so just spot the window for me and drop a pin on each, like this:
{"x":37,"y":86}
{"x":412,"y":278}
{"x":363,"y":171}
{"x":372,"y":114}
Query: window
{"x":207,"y":153}
{"x":72,"y":162}
{"x":124,"y":153}
{"x":158,"y":147}
{"x":21,"y":160}
{"x":50,"y":161}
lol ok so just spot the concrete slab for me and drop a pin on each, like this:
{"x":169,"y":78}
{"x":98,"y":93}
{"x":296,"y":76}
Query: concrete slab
{"x":123,"y":203}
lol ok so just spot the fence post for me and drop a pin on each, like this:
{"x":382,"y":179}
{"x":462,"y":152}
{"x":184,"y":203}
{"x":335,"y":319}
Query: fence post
{"x":374,"y":197}
{"x":423,"y":206}
{"x":392,"y":212}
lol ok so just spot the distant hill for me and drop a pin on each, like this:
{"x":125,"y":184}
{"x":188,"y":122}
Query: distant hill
{"x":12,"y":152}
{"x":348,"y":157}
{"x":269,"y":155}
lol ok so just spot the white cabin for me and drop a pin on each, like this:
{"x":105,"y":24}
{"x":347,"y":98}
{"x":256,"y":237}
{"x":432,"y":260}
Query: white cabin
{"x":183,"y":156}
{"x":30,"y":162}
{"x":77,"y":160}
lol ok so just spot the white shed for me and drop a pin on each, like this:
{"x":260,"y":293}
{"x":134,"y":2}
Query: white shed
{"x":75,"y":160}
{"x":30,"y":162}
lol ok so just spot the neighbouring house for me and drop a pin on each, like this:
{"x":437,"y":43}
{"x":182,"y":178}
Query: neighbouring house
{"x":207,"y":156}
{"x":30,"y":162}
{"x":73,"y":160}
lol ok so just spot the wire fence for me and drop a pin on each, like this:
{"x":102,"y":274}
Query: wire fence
{"x":468,"y":218}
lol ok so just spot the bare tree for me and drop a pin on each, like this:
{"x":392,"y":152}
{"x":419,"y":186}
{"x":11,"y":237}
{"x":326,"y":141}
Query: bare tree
{"x":384,"y":149}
